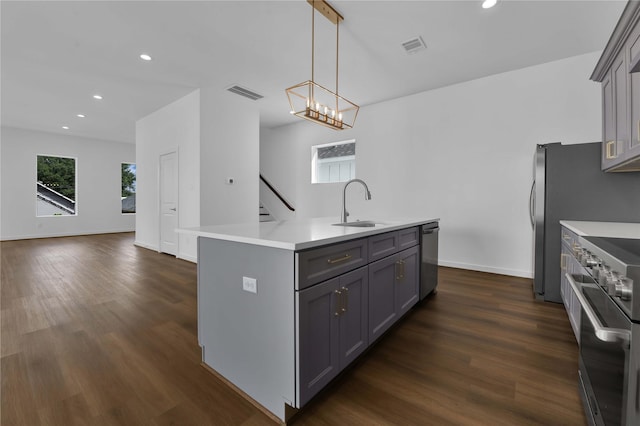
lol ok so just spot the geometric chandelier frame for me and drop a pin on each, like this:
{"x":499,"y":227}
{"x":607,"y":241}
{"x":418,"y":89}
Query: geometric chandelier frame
{"x":314,"y":102}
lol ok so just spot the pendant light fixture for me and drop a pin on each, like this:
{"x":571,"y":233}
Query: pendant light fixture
{"x":314,"y":102}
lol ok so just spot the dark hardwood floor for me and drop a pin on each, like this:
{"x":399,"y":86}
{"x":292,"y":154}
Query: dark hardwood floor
{"x":96,"y":331}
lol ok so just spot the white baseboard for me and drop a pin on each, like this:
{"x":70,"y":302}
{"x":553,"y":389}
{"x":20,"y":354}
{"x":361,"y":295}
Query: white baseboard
{"x":145,"y":246}
{"x":63,"y":234}
{"x":490,"y":269}
{"x":188,"y":258}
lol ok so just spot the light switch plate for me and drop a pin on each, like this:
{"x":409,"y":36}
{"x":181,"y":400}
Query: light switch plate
{"x":249,"y":284}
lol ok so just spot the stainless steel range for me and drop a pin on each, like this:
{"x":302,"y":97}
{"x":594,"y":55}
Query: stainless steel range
{"x":610,"y":329}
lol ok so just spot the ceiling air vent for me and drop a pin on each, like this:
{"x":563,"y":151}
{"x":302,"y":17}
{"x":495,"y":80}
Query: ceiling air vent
{"x":414,"y":45}
{"x":239,"y":90}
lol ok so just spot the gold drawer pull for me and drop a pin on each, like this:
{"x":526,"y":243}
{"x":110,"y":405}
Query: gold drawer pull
{"x":563,"y":261}
{"x":611,"y":150}
{"x":339,"y":259}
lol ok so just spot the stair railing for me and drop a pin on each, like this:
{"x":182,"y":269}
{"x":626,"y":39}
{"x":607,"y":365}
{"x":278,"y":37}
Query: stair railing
{"x":277,"y":194}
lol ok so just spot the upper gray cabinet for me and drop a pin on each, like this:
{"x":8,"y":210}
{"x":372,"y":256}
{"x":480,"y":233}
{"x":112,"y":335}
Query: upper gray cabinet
{"x":619,"y":72}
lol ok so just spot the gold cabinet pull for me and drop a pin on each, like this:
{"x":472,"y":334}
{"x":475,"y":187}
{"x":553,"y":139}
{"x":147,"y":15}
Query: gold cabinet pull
{"x":563,"y":261}
{"x":399,"y":269}
{"x":345,"y":299}
{"x":338,"y":302}
{"x":611,"y":150}
{"x":339,"y":259}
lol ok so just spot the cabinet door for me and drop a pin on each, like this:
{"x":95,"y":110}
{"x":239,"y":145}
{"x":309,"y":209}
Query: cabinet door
{"x":565,"y":259}
{"x":407,"y":285}
{"x":382,"y":299}
{"x":393,"y":289}
{"x":620,"y":75}
{"x":609,"y":152}
{"x":354,"y":331}
{"x":318,"y":338}
{"x":633,"y":51}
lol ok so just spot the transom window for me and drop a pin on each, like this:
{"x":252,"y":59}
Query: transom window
{"x":333,"y":162}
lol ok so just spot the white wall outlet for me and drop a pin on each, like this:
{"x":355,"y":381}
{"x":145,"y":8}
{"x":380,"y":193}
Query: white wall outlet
{"x":229,"y":181}
{"x":249,"y":284}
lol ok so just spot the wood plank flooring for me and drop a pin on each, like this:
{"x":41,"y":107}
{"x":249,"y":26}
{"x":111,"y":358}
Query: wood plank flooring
{"x":96,"y":331}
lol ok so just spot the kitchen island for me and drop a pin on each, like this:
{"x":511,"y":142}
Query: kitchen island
{"x":283,"y":307}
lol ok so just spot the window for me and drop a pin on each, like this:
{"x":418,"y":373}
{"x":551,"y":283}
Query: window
{"x":128,"y":195}
{"x":333,"y":162}
{"x":55,"y":186}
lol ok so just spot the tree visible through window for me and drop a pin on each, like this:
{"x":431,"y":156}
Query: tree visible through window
{"x":334,"y":162}
{"x":128,"y":188}
{"x":55,"y":186}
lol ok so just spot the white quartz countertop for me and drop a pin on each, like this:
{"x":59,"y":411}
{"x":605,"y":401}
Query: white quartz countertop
{"x":299,"y":234}
{"x":603,"y":229}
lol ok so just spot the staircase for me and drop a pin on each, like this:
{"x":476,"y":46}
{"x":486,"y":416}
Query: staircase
{"x":265,"y":216}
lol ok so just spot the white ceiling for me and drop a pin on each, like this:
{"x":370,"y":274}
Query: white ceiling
{"x":55,"y":55}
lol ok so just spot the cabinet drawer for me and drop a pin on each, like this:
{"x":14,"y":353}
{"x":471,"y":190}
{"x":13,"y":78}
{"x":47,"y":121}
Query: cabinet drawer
{"x":326,"y":262}
{"x":408,"y":237}
{"x":383,"y":245}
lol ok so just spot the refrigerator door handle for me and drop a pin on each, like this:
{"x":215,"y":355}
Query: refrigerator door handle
{"x":532,"y":203}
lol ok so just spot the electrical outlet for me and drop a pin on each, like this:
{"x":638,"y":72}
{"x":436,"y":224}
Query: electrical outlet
{"x":249,"y":284}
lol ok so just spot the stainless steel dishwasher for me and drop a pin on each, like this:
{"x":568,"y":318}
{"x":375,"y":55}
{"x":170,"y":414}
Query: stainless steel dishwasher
{"x":429,"y":267}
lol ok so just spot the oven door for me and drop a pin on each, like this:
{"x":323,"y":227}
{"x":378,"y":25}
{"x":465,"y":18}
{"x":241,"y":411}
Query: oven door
{"x":605,"y":334}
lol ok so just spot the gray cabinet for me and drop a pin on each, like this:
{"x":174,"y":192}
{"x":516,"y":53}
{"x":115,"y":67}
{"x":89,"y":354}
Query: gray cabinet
{"x":334,"y":316}
{"x":393,"y":289}
{"x":569,"y":264}
{"x":320,"y":264}
{"x":332,"y":329}
{"x":617,"y":70}
{"x":614,"y":120}
{"x":632,"y":52}
{"x":609,"y":146}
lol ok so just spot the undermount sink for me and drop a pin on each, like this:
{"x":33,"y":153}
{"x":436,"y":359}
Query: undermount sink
{"x":359,"y":223}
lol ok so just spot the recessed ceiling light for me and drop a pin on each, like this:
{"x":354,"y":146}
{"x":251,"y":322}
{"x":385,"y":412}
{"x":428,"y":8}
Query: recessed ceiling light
{"x":80,"y":115}
{"x":65,"y":127}
{"x":145,"y":57}
{"x":486,"y":4}
{"x":98,"y":97}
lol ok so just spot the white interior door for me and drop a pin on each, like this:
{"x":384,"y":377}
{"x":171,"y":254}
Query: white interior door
{"x":169,"y":203}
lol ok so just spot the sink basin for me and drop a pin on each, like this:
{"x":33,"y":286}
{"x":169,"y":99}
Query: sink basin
{"x":359,"y":223}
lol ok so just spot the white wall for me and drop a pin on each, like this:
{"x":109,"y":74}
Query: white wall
{"x":175,"y":127}
{"x":216,"y":135}
{"x":230,"y":148}
{"x":98,"y":175}
{"x":463,"y":153}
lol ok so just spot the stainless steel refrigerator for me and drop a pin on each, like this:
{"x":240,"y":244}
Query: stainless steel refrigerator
{"x":569,"y":185}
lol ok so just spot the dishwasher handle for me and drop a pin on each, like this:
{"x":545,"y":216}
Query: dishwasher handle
{"x":430,"y":228}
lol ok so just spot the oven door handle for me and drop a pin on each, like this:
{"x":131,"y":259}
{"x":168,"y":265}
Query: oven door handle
{"x":605,"y":334}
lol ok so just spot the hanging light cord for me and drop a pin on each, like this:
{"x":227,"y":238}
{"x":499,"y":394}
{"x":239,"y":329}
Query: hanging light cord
{"x":313,"y":32}
{"x":337,"y":45}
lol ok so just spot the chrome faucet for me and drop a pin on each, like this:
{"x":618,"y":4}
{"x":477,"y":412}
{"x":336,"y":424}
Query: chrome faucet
{"x":367,"y":196}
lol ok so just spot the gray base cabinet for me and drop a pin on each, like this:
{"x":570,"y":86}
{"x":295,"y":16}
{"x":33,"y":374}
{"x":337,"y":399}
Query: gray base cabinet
{"x":569,"y":264}
{"x":307,"y":317}
{"x":393,"y":289}
{"x":332,"y":329}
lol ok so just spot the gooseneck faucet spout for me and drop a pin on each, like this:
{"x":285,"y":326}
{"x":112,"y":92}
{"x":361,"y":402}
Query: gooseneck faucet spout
{"x":367,"y":196}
